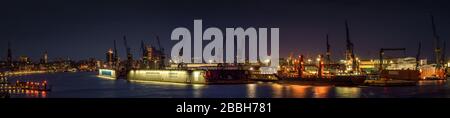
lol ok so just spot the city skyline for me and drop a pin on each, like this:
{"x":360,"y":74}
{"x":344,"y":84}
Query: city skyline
{"x":81,"y":29}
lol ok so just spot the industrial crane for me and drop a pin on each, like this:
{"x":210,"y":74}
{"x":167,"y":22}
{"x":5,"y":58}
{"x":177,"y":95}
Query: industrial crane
{"x":129,"y":56}
{"x":159,"y":44}
{"x":418,"y":56}
{"x":439,"y":56}
{"x":116,"y":56}
{"x":350,"y":55}
{"x":161,"y":50}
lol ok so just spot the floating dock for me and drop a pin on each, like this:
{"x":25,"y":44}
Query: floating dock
{"x":189,"y":76}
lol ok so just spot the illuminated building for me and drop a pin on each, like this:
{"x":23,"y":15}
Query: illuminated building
{"x":371,"y":66}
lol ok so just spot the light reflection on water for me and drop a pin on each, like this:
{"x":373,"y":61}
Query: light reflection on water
{"x":298,"y":91}
{"x":87,"y":85}
{"x":27,"y":93}
{"x":348,"y":92}
{"x":251,"y":90}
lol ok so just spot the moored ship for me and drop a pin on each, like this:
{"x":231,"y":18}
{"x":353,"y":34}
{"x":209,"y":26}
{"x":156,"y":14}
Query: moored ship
{"x":190,"y":76}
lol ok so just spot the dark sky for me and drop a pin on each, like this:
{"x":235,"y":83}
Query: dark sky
{"x":81,"y":29}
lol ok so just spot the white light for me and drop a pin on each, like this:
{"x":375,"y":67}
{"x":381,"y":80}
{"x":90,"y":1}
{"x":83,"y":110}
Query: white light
{"x":267,"y":60}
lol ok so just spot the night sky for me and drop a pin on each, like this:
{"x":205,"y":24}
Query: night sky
{"x":82,"y":29}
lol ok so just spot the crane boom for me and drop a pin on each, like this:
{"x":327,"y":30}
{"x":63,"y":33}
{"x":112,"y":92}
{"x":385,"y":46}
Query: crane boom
{"x":328,"y":53}
{"x":418,"y":56}
{"x":159,"y":44}
{"x":116,"y":55}
{"x":437,"y":48}
{"x":129,"y":61}
{"x":129,"y":56}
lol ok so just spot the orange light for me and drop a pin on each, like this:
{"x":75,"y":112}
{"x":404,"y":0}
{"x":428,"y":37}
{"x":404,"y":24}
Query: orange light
{"x":44,"y":94}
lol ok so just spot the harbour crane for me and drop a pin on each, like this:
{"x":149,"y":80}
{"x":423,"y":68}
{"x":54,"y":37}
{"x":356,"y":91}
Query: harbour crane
{"x":145,"y":55}
{"x":418,"y":56}
{"x":159,"y":44}
{"x":129,"y":56}
{"x":162,"y":55}
{"x":437,"y":49}
{"x":350,"y":55}
{"x":116,"y":56}
{"x":328,"y":51}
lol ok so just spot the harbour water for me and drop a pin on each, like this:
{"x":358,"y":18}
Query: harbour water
{"x":88,"y":85}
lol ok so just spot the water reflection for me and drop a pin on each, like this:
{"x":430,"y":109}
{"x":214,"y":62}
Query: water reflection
{"x":277,"y":90}
{"x":85,"y":85}
{"x":197,"y":90}
{"x":251,"y":90}
{"x":27,"y":93}
{"x":348,"y":92}
{"x":321,"y":91}
{"x":298,"y":91}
